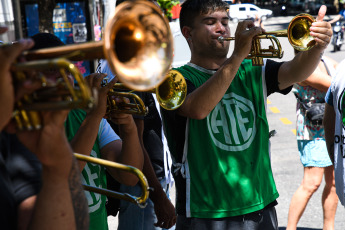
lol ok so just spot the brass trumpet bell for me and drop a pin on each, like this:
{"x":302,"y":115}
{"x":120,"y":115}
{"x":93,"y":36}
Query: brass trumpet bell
{"x":298,"y":32}
{"x":172,"y":92}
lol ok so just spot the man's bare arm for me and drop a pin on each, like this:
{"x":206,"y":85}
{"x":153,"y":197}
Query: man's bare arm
{"x":80,"y":207}
{"x":328,"y":124}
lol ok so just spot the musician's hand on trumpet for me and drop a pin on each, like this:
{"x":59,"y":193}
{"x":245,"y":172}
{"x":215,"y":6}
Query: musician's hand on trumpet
{"x":8,"y":55}
{"x":120,"y":118}
{"x":244,"y":35}
{"x":125,"y":121}
{"x":94,"y":81}
{"x":304,"y":64}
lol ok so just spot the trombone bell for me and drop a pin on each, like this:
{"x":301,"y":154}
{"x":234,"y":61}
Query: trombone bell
{"x":139,"y":45}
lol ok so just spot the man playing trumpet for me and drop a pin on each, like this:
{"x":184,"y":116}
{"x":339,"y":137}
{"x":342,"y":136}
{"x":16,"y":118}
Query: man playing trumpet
{"x":219,"y":137}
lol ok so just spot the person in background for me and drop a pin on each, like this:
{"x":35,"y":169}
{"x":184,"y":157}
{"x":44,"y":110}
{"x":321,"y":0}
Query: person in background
{"x":312,"y":147}
{"x":340,"y":16}
{"x":334,"y":126}
{"x":159,"y":212}
{"x":60,"y":203}
{"x":258,"y":21}
{"x":90,"y":134}
{"x":219,"y":137}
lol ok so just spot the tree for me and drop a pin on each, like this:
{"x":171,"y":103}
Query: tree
{"x":167,"y":5}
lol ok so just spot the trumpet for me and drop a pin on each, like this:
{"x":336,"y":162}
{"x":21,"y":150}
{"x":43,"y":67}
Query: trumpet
{"x":298,"y":34}
{"x":137,"y":44}
{"x":52,"y":96}
{"x":140,"y":201}
{"x":170,"y":95}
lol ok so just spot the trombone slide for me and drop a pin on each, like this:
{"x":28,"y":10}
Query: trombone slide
{"x":140,"y":201}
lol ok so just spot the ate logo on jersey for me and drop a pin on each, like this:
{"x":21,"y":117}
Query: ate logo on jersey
{"x":232,"y":123}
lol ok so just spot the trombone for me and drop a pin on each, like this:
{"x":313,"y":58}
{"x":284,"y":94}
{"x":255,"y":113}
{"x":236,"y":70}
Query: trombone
{"x":170,"y":95}
{"x":138,"y":45}
{"x":140,"y":201}
{"x":298,"y":34}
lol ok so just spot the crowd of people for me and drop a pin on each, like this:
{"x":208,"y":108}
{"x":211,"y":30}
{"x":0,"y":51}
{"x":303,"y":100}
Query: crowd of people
{"x":218,"y":139}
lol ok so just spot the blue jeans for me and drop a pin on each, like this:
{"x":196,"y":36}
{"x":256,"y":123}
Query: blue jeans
{"x":264,"y":220}
{"x":132,"y":217}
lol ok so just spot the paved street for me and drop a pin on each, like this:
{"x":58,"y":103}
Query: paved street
{"x":286,"y":165}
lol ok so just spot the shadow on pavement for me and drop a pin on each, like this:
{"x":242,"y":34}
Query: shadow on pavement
{"x":284,"y":228}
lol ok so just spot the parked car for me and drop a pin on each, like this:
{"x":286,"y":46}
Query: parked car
{"x":228,"y":1}
{"x":246,"y":11}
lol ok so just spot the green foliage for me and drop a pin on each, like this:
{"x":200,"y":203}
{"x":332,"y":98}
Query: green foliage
{"x":167,"y":5}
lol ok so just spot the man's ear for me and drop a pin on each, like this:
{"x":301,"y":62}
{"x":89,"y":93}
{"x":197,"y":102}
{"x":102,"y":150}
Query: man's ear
{"x":186,"y":32}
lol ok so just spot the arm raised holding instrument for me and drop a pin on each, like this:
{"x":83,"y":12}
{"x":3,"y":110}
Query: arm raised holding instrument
{"x":149,"y":132}
{"x":126,"y":151}
{"x":304,"y":64}
{"x":61,"y":202}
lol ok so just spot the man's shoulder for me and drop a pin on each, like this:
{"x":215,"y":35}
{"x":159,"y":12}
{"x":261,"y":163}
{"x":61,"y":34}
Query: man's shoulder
{"x":182,"y":68}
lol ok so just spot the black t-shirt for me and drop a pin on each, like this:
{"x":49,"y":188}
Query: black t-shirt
{"x":20,"y":178}
{"x":178,"y":129}
{"x":152,"y":134}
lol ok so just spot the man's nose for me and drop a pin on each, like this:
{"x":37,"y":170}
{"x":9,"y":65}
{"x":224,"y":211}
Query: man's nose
{"x":220,"y":28}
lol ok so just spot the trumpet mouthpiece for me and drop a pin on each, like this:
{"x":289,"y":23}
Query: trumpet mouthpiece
{"x":221,"y":39}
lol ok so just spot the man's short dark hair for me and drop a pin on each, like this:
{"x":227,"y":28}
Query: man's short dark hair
{"x":193,"y":8}
{"x":46,"y":40}
{"x":121,"y":1}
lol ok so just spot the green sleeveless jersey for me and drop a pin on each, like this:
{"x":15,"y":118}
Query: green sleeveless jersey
{"x":227,"y":163}
{"x":92,"y":174}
